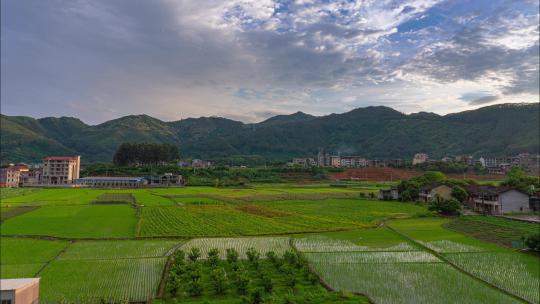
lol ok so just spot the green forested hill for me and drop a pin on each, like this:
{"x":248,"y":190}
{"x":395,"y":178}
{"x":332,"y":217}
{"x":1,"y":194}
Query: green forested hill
{"x":373,"y":132}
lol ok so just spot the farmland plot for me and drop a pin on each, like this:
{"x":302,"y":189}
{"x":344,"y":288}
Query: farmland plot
{"x":12,"y":271}
{"x":262,"y":244}
{"x":517,"y":274}
{"x":409,"y":283}
{"x":90,"y":281}
{"x":17,"y":251}
{"x":91,"y":221}
{"x":118,"y":249}
{"x":322,"y":243}
{"x":48,"y":197}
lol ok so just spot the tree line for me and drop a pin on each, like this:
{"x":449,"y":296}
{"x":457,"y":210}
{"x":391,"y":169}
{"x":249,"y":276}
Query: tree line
{"x":129,"y":154}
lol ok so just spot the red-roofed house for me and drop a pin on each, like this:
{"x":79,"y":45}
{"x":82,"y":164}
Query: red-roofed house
{"x":61,"y":170}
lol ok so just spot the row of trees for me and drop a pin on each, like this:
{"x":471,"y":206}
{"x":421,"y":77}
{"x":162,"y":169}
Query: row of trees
{"x":129,"y":154}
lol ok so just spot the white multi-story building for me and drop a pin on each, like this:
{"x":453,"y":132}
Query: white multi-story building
{"x":61,"y":170}
{"x":420,"y":158}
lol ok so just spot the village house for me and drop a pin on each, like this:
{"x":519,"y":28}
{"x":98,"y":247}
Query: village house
{"x":420,"y":158}
{"x":431,"y":192}
{"x":388,"y":194}
{"x":61,"y":170}
{"x":19,"y":291}
{"x":496,"y":200}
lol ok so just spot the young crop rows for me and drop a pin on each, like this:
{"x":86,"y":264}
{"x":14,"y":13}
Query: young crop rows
{"x":117,"y":249}
{"x":262,"y":244}
{"x":325,"y":244}
{"x":93,"y":281}
{"x":504,"y":270}
{"x":395,"y":276}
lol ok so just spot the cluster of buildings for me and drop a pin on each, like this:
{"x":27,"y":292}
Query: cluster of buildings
{"x":482,"y":199}
{"x":498,"y":165}
{"x":64,"y":171}
{"x":338,"y":161}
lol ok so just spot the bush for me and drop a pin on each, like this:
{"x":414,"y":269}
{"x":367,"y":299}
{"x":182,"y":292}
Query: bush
{"x":218,"y":280}
{"x":194,"y":254}
{"x":252,"y":255}
{"x":459,"y":193}
{"x":232,"y":256}
{"x":241,"y":282}
{"x":266,"y":283}
{"x":179,"y":257}
{"x":532,"y":242}
{"x":290,"y":280}
{"x":195,"y":288}
{"x":256,"y":296}
{"x":291,"y":257}
{"x":213,"y":257}
{"x":445,"y":207}
{"x":173,"y":284}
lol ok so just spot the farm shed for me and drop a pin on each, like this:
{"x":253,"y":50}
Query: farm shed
{"x":19,"y":291}
{"x":111,"y":182}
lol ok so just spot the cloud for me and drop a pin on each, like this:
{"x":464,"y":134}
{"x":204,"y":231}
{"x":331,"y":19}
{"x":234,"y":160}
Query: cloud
{"x":483,"y":100}
{"x":240,"y":58}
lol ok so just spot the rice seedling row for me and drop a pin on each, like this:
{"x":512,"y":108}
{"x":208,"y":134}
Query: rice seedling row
{"x":92,"y":281}
{"x":508,"y":271}
{"x":262,"y":244}
{"x":119,"y":249}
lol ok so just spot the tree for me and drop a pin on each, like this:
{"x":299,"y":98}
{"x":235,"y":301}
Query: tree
{"x":253,"y":256}
{"x":194,"y":254}
{"x":213,"y":257}
{"x":532,"y":242}
{"x":195,"y":288}
{"x":459,"y":193}
{"x":445,"y":207}
{"x":519,"y":180}
{"x":241,"y":282}
{"x":129,"y":154}
{"x":217,"y":278}
{"x":232,"y":255}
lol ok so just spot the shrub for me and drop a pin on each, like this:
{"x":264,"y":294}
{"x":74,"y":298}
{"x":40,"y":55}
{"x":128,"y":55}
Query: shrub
{"x":291,"y":257}
{"x":194,"y":254}
{"x":256,"y":296}
{"x":290,"y":279}
{"x":217,"y":278}
{"x":266,"y":283}
{"x":213,"y":257}
{"x":532,"y":242}
{"x":459,"y":193}
{"x":252,"y":255}
{"x":173,"y":284}
{"x":195,"y":288}
{"x":179,"y":257}
{"x":232,"y":255}
{"x":241,"y":282}
{"x":445,"y":207}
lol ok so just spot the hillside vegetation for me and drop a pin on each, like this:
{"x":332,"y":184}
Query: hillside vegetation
{"x":373,"y":132}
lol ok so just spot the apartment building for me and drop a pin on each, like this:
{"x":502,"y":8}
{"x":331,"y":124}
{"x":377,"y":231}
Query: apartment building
{"x":61,"y":170}
{"x":10,"y":176}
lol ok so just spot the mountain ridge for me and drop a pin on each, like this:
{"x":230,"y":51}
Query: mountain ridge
{"x":374,"y":132}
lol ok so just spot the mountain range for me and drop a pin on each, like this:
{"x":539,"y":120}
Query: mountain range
{"x":373,"y":132}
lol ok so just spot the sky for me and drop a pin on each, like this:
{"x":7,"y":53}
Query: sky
{"x":252,"y":59}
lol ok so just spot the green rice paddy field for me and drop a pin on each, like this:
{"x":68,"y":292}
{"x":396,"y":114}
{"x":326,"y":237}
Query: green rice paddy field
{"x":106,"y":245}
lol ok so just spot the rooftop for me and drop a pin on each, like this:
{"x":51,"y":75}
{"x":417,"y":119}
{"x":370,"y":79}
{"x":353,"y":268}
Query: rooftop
{"x":60,"y":158}
{"x":12,"y":284}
